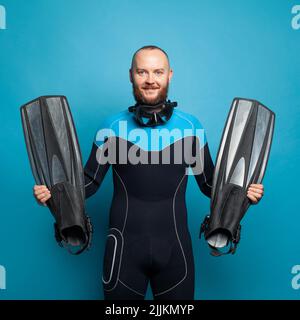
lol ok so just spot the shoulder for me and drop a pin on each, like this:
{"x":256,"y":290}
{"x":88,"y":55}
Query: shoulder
{"x":193,"y":120}
{"x":112,"y":121}
{"x":194,"y":124}
{"x":109,"y":127}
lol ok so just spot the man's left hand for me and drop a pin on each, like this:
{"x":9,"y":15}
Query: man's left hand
{"x":255,"y":192}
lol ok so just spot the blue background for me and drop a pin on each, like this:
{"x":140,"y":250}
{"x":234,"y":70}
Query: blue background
{"x":218,"y":50}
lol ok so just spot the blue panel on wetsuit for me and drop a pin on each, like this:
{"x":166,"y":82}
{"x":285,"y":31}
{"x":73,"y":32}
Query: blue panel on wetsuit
{"x":124,"y":126}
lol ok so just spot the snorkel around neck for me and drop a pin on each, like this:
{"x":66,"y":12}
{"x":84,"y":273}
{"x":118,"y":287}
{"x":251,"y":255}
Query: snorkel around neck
{"x":147,"y":116}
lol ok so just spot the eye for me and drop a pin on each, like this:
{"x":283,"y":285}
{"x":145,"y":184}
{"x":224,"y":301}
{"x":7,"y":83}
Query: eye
{"x":141,"y":72}
{"x":158,"y":72}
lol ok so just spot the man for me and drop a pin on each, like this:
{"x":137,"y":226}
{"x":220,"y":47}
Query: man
{"x":148,"y":238}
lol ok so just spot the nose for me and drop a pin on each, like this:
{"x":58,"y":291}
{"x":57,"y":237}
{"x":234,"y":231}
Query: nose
{"x":150,"y":78}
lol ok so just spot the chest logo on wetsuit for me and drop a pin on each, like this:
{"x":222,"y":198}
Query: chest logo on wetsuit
{"x":151,"y":146}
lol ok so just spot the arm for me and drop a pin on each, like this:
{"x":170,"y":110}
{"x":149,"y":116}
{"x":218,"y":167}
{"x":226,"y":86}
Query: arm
{"x":203,"y":167}
{"x":205,"y":179}
{"x":95,"y":169}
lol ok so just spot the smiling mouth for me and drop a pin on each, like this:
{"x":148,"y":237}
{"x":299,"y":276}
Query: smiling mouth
{"x":150,"y":89}
{"x":151,"y":92}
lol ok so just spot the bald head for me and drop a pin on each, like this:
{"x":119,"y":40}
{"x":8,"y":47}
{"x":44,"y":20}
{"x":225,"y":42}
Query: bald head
{"x":142,"y":50}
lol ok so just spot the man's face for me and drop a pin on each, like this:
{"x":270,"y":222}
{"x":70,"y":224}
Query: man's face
{"x":150,"y":76}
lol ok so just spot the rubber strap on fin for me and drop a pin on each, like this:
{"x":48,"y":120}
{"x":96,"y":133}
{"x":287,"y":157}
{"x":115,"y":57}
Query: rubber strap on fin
{"x":234,"y":241}
{"x":86,"y":246}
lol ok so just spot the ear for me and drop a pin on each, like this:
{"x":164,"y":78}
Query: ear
{"x":170,"y":74}
{"x":130,"y":75}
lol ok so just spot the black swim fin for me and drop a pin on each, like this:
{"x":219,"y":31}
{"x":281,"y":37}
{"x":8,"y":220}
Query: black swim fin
{"x":242,"y":159}
{"x":55,"y":159}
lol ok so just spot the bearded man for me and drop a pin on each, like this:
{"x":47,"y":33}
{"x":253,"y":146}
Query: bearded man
{"x":148,"y":238}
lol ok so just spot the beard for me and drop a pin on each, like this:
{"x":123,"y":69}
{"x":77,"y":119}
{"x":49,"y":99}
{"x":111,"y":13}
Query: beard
{"x":159,"y":98}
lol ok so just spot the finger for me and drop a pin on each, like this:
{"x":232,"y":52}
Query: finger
{"x":259,"y":191}
{"x":255,"y":194}
{"x":43,"y":195}
{"x":44,"y":190}
{"x":40,"y":203}
{"x":38,"y":187}
{"x":43,"y":200}
{"x":252,"y":198}
{"x":257,"y":186}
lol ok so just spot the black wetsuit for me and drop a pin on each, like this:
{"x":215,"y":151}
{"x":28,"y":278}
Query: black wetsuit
{"x":148,"y":238}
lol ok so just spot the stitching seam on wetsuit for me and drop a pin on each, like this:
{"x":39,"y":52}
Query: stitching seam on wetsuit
{"x":113,"y":262}
{"x":203,"y":166}
{"x":178,"y":241}
{"x":126,"y":193}
{"x":141,"y":294}
{"x":99,"y":162}
{"x":200,"y":156}
{"x":121,"y":255}
{"x":95,"y":175}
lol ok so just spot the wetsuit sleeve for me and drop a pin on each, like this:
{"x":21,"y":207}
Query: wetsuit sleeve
{"x":202,"y":164}
{"x":204,"y":178}
{"x":95,"y":170}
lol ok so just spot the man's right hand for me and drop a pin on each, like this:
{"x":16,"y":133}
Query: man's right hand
{"x":41,"y":194}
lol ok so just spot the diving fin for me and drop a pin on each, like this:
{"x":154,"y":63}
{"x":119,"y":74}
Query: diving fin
{"x":242,"y":158}
{"x":55,"y":160}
